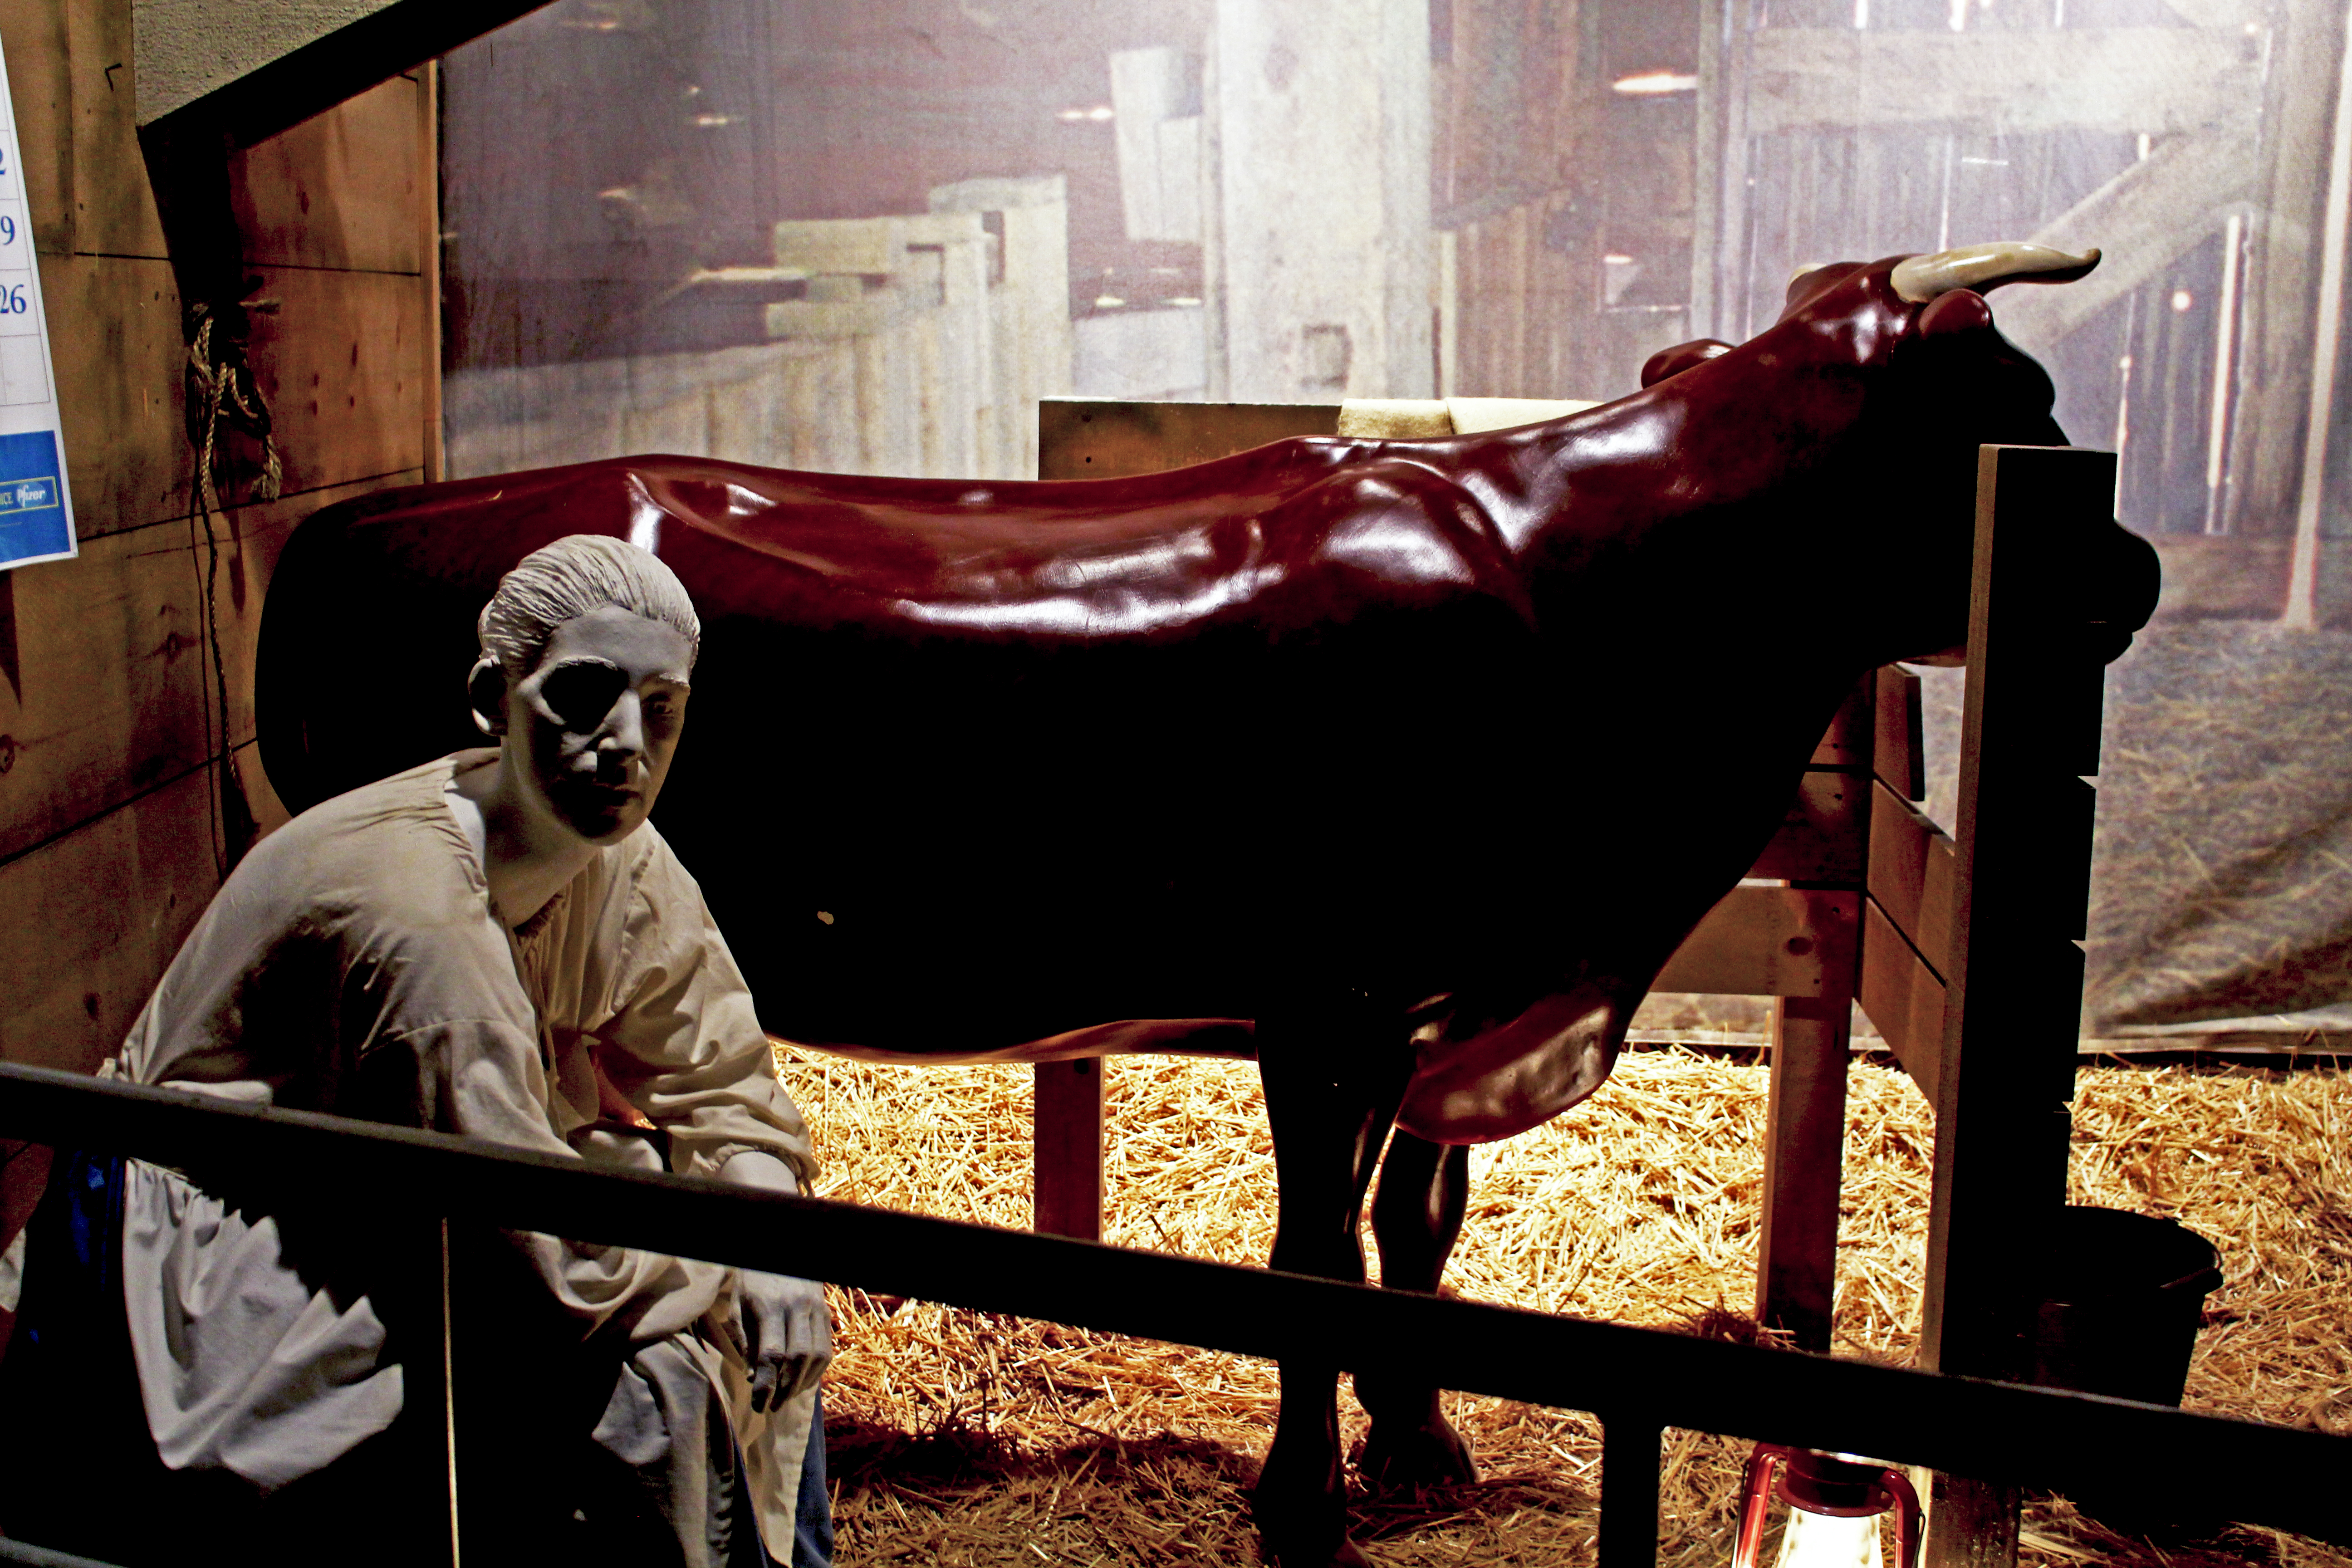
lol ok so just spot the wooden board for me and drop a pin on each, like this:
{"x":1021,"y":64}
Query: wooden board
{"x":40,"y":80}
{"x":1769,"y":941}
{"x":343,"y":190}
{"x":119,"y":389}
{"x":1081,"y":438}
{"x":108,"y":682}
{"x":1848,"y":741}
{"x":106,"y":699}
{"x":107,"y":789}
{"x":2162,"y":81}
{"x":1820,"y":838}
{"x":114,"y":207}
{"x":1899,"y":755}
{"x":343,"y":365}
{"x":93,"y":918}
{"x":2012,"y":1007}
{"x":1903,"y":997}
{"x":1914,"y":874}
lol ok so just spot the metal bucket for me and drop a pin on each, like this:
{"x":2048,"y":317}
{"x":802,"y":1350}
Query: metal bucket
{"x":2122,"y":1297}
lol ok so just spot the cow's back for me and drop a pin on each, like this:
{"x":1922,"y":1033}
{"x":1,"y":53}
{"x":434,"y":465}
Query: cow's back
{"x":925,"y":815}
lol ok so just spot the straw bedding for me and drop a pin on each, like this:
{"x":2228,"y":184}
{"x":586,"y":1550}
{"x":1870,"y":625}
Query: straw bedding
{"x":959,"y":1438}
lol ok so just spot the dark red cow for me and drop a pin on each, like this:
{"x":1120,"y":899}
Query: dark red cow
{"x":1359,"y":741}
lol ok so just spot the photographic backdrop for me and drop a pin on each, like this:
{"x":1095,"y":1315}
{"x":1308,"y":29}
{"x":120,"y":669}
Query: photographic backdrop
{"x":867,"y":239}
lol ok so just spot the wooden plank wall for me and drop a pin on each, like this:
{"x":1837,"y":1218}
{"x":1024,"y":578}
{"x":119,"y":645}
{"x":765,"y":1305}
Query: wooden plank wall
{"x":111,"y":744}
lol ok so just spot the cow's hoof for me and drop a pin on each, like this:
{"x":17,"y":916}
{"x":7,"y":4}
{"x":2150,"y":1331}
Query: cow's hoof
{"x":1403,"y":1459}
{"x":1304,"y":1532}
{"x":1322,"y":1553}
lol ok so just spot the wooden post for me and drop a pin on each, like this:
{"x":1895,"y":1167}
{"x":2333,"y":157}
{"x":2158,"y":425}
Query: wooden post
{"x":1804,"y":1158}
{"x":1629,"y":1491}
{"x":425,"y":1334}
{"x":2014,"y":989}
{"x":1068,"y":1170}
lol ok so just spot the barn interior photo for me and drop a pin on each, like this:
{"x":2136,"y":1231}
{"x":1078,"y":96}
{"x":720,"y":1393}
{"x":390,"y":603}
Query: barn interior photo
{"x":1486,"y":782}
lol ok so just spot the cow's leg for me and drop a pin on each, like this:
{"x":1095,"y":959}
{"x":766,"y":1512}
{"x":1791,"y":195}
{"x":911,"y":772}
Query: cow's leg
{"x":1333,"y":1078}
{"x":1416,"y":1218}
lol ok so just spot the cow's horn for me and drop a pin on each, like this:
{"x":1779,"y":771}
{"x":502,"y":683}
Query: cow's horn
{"x":1920,"y":279}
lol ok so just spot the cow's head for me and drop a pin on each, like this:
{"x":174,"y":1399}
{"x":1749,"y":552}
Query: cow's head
{"x":1932,"y":378}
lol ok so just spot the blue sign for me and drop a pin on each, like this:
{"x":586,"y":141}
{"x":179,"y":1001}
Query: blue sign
{"x":32,"y":526}
{"x":36,"y":507}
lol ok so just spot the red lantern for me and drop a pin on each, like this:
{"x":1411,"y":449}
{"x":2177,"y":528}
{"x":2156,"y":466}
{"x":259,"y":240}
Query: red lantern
{"x":1835,"y":1502}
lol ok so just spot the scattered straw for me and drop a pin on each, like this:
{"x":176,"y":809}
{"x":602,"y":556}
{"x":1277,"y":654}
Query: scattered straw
{"x":960,"y":1438}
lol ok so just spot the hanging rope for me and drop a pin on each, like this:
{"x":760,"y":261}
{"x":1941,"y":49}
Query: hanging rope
{"x":220,"y":387}
{"x":220,"y":390}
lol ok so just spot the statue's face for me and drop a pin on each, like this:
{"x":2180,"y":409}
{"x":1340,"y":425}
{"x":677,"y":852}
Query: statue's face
{"x":595,"y":724}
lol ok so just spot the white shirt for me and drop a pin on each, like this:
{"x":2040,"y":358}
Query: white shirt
{"x":354,"y":964}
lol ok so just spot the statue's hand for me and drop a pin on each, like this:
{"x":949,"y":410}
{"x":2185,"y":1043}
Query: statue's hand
{"x":780,"y":1325}
{"x":786,"y":1335}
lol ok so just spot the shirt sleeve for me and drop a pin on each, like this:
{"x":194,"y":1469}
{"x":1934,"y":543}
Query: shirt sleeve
{"x":684,"y":1043}
{"x":487,"y":1076}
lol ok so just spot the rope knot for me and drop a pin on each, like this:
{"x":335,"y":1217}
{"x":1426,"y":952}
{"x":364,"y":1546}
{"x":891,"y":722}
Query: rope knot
{"x":221,"y":390}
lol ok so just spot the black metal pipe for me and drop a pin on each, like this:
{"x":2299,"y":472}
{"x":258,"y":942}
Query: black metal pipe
{"x":1998,"y":1432}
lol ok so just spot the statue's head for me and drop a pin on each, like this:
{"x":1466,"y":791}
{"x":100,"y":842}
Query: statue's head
{"x":586,"y":650}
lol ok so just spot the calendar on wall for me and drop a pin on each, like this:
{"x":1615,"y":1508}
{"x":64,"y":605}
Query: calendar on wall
{"x":36,"y":513}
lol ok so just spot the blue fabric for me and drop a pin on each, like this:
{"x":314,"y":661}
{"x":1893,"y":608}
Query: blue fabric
{"x":73,"y":1433}
{"x":812,"y":1512}
{"x":73,"y":1264}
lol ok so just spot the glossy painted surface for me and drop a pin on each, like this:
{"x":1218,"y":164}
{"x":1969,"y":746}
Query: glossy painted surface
{"x":1492,"y":719}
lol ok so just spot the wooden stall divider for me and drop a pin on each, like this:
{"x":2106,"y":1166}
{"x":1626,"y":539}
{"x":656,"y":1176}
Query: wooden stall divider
{"x":2021,"y":898}
{"x":1804,"y":1132}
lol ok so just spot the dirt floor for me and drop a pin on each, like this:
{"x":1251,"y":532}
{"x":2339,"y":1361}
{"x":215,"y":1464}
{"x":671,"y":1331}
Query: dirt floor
{"x":959,"y":1438}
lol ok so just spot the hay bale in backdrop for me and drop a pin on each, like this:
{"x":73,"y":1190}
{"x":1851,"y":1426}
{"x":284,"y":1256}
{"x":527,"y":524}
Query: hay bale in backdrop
{"x":961,"y":1437}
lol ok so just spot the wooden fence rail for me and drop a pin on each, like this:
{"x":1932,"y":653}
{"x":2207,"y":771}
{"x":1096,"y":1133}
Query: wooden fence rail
{"x":1639,"y":1381}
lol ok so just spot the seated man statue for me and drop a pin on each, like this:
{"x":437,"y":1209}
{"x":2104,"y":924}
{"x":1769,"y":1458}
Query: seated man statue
{"x":498,"y":944}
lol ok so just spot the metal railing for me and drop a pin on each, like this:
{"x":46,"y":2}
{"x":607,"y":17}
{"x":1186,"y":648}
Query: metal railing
{"x":1638,"y":1381}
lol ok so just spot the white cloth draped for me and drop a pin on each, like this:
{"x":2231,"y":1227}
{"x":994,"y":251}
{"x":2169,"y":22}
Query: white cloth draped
{"x":354,"y":964}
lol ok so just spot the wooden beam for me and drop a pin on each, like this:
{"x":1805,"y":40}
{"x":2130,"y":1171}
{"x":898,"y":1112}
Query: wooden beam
{"x":1899,"y":747}
{"x":2143,"y":220}
{"x":1068,"y":1149}
{"x":283,"y":91}
{"x":1804,"y":1162}
{"x":1903,"y":997}
{"x":2284,"y":262}
{"x":1820,"y":838}
{"x":1848,"y":741}
{"x":1085,"y":439}
{"x":2162,"y":81}
{"x":1825,"y":839}
{"x":2014,"y":979}
{"x":1770,"y":942}
{"x":1913,"y":873}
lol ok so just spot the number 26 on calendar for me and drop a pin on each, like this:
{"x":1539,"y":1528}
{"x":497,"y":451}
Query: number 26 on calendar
{"x":12,"y":301}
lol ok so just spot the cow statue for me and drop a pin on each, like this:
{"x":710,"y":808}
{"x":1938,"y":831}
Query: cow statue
{"x":1403,"y":765}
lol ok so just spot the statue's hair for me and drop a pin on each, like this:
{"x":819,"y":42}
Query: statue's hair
{"x":569,"y":579}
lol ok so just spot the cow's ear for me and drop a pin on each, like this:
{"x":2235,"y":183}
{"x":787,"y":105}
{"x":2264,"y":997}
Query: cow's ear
{"x":1961,"y":311}
{"x":1680,"y":358}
